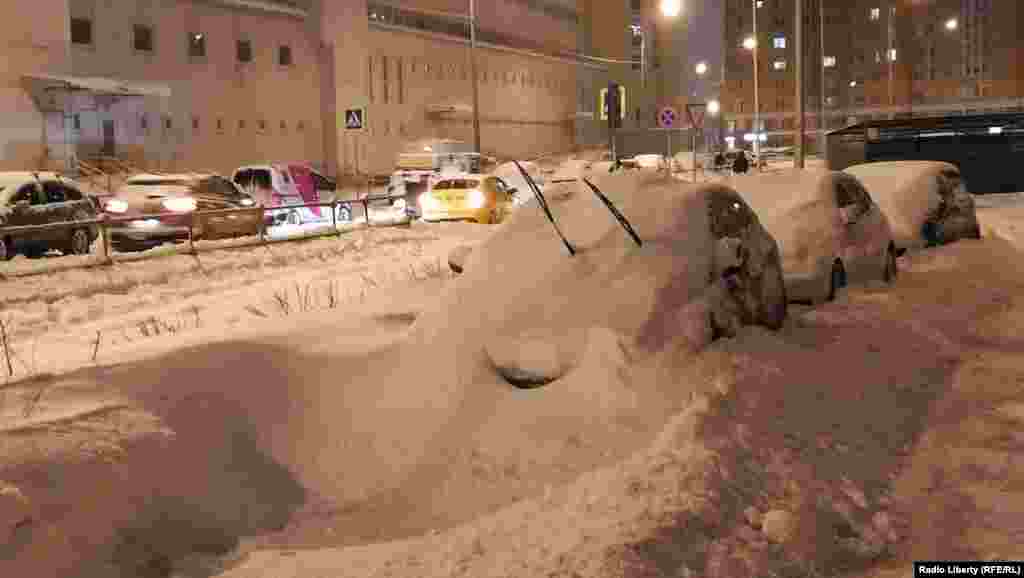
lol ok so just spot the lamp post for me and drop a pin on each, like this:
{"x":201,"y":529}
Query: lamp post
{"x":475,"y":80}
{"x":751,"y":44}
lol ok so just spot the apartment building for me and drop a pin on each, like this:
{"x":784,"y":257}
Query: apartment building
{"x":870,"y":57}
{"x":212,"y":84}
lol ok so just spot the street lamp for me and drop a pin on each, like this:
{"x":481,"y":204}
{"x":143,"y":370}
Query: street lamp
{"x":952,"y":24}
{"x":713,"y":107}
{"x":702,"y":68}
{"x":670,"y":8}
{"x":750,"y":43}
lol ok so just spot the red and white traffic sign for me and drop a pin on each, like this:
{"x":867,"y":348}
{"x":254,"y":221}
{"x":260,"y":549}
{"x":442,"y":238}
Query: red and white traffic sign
{"x":667,"y":117}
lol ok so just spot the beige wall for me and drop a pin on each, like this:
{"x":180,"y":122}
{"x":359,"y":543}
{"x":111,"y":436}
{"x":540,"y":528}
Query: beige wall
{"x":35,"y":45}
{"x":525,"y":101}
{"x":246,"y":113}
{"x":270,"y":100}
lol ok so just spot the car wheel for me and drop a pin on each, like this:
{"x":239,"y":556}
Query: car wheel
{"x":293,"y":218}
{"x":891,"y":270}
{"x":79,"y":243}
{"x":344,"y":214}
{"x":837,"y":279}
{"x":773,"y":301}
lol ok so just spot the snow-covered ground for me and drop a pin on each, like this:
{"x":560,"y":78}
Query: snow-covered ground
{"x":259,"y":412}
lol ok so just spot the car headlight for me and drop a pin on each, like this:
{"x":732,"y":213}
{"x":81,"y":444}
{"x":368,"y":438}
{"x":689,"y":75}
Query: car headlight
{"x":399,"y":204}
{"x":116,"y":206}
{"x":247,"y":202}
{"x":477,"y":199}
{"x":427,"y":201}
{"x":180,"y":204}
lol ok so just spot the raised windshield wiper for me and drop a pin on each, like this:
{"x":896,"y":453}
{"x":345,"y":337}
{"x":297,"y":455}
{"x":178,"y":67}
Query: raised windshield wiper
{"x":544,"y":205}
{"x":618,"y":216}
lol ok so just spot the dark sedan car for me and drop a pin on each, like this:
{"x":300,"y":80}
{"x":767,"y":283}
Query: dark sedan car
{"x":38,"y":199}
{"x":165,"y":206}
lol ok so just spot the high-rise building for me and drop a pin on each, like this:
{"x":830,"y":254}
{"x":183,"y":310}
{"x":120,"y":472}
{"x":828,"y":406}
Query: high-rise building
{"x":871,"y":58}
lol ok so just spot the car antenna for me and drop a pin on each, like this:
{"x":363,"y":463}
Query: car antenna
{"x":615,"y":212}
{"x":544,"y":205}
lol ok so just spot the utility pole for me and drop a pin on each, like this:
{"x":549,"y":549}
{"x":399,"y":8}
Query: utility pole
{"x":473,"y":75}
{"x":890,"y":56}
{"x":757,"y":102}
{"x":800,"y":88}
{"x":822,"y":125}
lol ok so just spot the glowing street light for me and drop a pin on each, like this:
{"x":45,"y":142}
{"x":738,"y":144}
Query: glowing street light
{"x":713,"y":107}
{"x":750,"y":43}
{"x":952,"y":24}
{"x":670,"y":8}
{"x":853,"y":83}
{"x":702,"y":68}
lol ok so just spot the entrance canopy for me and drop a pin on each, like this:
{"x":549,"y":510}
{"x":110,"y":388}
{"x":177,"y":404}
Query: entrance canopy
{"x":49,"y":90}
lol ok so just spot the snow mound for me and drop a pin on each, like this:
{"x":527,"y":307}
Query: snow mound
{"x":906,"y":191}
{"x":796,"y":208}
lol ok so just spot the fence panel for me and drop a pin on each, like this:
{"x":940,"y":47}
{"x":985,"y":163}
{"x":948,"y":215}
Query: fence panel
{"x":105,"y":222}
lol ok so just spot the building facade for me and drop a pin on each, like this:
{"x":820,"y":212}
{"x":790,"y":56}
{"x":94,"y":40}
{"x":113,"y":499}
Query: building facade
{"x":869,"y":58}
{"x":214,"y":84}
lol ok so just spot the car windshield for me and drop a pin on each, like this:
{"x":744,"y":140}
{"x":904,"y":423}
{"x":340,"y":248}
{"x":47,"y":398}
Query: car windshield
{"x":141,"y":190}
{"x":258,"y":178}
{"x":457,"y":184}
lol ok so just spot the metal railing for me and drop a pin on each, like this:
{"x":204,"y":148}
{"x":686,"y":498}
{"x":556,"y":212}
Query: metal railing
{"x":105,"y":222}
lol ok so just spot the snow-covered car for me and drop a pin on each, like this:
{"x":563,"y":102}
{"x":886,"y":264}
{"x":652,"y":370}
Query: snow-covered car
{"x":272,"y":186}
{"x":37,"y":199}
{"x":484,"y":199}
{"x":690,"y":256}
{"x":829,"y":229}
{"x":164,"y":209}
{"x":926,"y":201}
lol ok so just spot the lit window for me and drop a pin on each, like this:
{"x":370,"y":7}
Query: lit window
{"x":780,"y":42}
{"x":878,"y":56}
{"x":830,"y":61}
{"x":892,"y":55}
{"x":779,"y":65}
{"x":876,"y":13}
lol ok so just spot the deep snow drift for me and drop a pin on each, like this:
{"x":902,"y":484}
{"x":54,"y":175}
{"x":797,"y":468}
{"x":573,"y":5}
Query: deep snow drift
{"x":379,"y":435}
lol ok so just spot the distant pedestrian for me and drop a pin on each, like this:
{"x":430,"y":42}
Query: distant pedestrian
{"x":719,"y":161}
{"x":740,"y":165}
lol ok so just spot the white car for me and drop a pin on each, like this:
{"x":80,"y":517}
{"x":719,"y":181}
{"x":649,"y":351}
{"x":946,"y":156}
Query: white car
{"x":272,"y":185}
{"x":926,"y":201}
{"x":830,"y":231}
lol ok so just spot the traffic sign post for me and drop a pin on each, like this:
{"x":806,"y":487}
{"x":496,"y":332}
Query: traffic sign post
{"x":696,"y":114}
{"x":355,"y":119}
{"x":667,"y":118}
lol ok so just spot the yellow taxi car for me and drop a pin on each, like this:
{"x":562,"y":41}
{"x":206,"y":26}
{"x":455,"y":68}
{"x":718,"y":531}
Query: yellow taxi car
{"x":470,"y":197}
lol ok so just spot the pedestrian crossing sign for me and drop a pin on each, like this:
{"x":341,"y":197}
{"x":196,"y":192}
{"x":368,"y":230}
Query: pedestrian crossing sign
{"x":354,"y":119}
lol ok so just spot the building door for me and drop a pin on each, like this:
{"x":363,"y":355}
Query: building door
{"x":108,"y":138}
